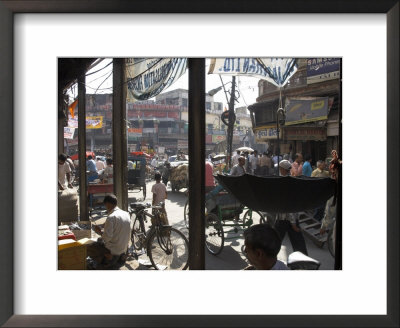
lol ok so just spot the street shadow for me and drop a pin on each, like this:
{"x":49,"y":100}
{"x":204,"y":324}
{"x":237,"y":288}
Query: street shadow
{"x":228,"y":259}
{"x":177,"y":197}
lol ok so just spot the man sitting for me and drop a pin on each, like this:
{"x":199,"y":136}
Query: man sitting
{"x":112,"y":245}
{"x":262,"y":245}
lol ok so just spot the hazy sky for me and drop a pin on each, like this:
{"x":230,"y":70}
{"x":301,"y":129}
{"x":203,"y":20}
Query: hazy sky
{"x":101,"y":82}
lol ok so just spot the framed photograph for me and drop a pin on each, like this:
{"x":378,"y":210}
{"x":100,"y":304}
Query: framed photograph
{"x":365,"y":35}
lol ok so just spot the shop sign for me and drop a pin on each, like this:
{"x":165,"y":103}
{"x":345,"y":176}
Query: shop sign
{"x":322,"y":69}
{"x":69,"y":133}
{"x":161,"y":150}
{"x":302,"y":133}
{"x":132,"y":148}
{"x":94,"y":122}
{"x":218,"y":138}
{"x":133,"y":132}
{"x":149,"y":130}
{"x":208,"y":138}
{"x":265,"y":134}
{"x":302,"y":110}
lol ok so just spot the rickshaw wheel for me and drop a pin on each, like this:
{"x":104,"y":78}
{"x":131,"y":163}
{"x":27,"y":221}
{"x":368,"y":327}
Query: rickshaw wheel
{"x":214,"y":234}
{"x":253,"y":217}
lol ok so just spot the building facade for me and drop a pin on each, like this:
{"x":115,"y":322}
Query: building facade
{"x":311,"y":104}
{"x":159,"y":125}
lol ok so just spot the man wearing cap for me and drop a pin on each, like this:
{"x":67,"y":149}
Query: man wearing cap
{"x":288,"y":222}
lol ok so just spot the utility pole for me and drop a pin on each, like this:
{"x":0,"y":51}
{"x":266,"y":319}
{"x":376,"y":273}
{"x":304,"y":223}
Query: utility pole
{"x":231,"y":121}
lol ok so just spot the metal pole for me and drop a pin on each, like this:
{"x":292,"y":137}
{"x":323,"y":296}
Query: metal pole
{"x":120,"y":147}
{"x":338,"y":244}
{"x":83,"y":203}
{"x":277,"y":136}
{"x":197,"y":163}
{"x":231,"y":121}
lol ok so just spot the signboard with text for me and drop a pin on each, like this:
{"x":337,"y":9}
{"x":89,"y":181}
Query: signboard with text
{"x":69,"y":132}
{"x":265,"y":133}
{"x":132,"y":132}
{"x":218,"y":138}
{"x":322,"y":69}
{"x":302,"y":110}
{"x":94,"y":122}
{"x":305,"y":133}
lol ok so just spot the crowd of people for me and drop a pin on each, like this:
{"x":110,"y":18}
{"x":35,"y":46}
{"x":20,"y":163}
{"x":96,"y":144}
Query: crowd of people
{"x":262,"y":242}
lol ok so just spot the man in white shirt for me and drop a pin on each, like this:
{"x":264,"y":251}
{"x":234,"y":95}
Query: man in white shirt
{"x":99,"y":164}
{"x":113,"y":244}
{"x":64,"y":171}
{"x":235,"y":158}
{"x":154,"y":162}
{"x":262,"y":245}
{"x":238,"y":169}
{"x":253,"y":162}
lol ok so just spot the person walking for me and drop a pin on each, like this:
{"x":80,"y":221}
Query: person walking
{"x":289,"y":222}
{"x":265,"y":164}
{"x":297,"y":166}
{"x":91,"y":167}
{"x":235,"y":158}
{"x":253,"y":162}
{"x":307,"y":169}
{"x":238,"y":169}
{"x":160,"y":194}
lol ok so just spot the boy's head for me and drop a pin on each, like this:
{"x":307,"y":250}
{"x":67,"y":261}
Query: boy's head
{"x":157,"y":177}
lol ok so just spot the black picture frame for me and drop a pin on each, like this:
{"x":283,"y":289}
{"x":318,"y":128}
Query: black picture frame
{"x":9,"y":8}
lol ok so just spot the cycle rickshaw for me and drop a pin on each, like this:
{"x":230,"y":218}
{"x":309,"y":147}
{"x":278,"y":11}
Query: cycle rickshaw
{"x":259,"y":200}
{"x":224,"y":215}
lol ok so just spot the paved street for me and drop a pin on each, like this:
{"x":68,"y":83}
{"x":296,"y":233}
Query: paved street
{"x":231,"y":257}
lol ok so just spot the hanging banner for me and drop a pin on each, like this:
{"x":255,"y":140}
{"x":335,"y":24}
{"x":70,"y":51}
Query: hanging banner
{"x":69,"y":133}
{"x":73,"y":122}
{"x":275,"y":70}
{"x":94,"y":122}
{"x":322,"y":69}
{"x":302,"y":110}
{"x":148,"y":77}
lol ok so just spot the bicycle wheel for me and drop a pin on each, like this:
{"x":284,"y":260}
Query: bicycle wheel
{"x":138,"y":234}
{"x":251,"y":217}
{"x":332,"y":239}
{"x":186,"y":213}
{"x":168,"y":249}
{"x":214,"y":234}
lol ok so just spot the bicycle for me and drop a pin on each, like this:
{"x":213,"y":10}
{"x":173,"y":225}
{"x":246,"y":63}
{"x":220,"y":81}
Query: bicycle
{"x":166,"y":247}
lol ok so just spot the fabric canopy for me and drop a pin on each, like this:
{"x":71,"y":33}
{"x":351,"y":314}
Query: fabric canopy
{"x":275,"y":194}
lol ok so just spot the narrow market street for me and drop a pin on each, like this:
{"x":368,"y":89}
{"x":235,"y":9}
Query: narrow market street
{"x":231,"y":257}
